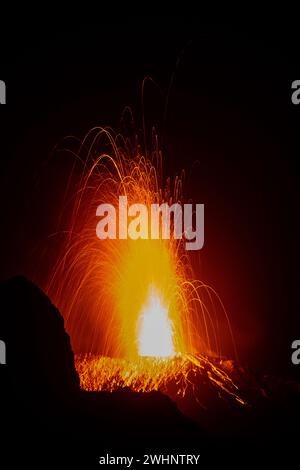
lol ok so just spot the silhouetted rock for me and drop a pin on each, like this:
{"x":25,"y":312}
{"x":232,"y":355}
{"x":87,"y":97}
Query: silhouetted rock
{"x":39,"y":354}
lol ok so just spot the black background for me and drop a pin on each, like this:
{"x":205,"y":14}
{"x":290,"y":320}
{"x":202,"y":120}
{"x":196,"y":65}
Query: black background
{"x":229,"y":107}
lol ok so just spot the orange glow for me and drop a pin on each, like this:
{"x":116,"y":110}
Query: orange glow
{"x":142,"y":265}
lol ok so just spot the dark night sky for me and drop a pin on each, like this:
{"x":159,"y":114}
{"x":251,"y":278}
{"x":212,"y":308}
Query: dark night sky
{"x":229,"y":108}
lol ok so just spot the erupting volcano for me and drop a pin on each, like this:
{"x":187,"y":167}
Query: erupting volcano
{"x":136,"y":314}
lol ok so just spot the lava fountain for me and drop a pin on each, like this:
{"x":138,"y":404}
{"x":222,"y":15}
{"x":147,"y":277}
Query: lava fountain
{"x":136,"y":314}
{"x":155,"y":331}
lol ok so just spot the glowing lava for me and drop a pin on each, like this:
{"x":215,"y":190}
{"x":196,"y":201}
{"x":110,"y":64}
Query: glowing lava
{"x":155,"y":331}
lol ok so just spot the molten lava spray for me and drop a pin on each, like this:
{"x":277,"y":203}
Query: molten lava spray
{"x":155,"y":330}
{"x":134,"y":310}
